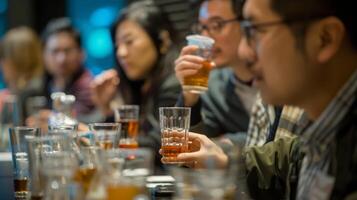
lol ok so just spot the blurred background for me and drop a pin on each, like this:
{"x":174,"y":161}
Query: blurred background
{"x":93,"y":18}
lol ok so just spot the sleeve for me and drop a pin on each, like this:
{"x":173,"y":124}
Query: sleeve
{"x":269,"y":168}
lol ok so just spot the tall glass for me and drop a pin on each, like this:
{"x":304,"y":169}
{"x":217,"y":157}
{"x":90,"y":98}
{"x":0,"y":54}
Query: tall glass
{"x":37,"y":147}
{"x":18,"y":136}
{"x":128,"y":117}
{"x":9,"y":117}
{"x":174,"y":125}
{"x":198,"y":83}
{"x":106,"y":135}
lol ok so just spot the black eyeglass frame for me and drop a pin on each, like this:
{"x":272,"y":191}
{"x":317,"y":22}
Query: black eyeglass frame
{"x":206,"y":27}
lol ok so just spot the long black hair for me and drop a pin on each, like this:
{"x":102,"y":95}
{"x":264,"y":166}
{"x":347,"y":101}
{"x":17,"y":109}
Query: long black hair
{"x":147,"y":15}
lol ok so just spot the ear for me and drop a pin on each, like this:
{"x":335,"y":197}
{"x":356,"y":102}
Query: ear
{"x":166,"y":41}
{"x":331,"y":35}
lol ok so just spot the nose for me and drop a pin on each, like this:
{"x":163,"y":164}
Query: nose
{"x":61,"y":56}
{"x":122,"y":51}
{"x":245,"y":52}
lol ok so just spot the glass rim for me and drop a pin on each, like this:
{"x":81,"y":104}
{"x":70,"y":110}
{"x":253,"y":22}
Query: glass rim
{"x":175,"y":108}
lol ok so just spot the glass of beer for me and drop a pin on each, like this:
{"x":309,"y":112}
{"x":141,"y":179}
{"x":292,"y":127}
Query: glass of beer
{"x":174,"y":125}
{"x":106,"y":135}
{"x":18,"y":136}
{"x":128,"y":117}
{"x":198,"y":83}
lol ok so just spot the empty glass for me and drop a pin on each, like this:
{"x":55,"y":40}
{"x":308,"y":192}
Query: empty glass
{"x":18,"y":136}
{"x":174,"y":125}
{"x":106,"y":135}
{"x":37,"y":147}
{"x":128,"y":117}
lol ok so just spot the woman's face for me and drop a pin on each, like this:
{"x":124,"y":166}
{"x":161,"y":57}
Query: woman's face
{"x":135,"y":50}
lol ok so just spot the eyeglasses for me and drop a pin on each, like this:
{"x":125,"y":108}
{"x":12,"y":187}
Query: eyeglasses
{"x":213,"y":27}
{"x":250,"y":29}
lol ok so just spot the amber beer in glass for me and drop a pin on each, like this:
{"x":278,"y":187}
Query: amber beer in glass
{"x":106,"y":135}
{"x":198,"y":83}
{"x":128,"y":117}
{"x":174,"y":125}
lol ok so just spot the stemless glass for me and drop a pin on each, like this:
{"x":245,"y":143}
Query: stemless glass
{"x":198,"y":83}
{"x":174,"y":124}
{"x":18,"y":136}
{"x":128,"y":117}
{"x":106,"y":135}
{"x":36,"y":148}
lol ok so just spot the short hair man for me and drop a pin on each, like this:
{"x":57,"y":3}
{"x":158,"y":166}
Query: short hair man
{"x":229,"y":91}
{"x":63,"y":57}
{"x":304,"y":54}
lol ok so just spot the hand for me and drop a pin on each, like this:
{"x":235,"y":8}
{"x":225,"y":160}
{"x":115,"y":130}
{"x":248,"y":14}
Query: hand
{"x":186,"y":65}
{"x":200,"y":149}
{"x":104,"y":88}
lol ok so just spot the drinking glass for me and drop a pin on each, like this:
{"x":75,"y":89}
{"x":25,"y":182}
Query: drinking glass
{"x":18,"y":136}
{"x":198,"y":83}
{"x":174,"y":125}
{"x":37,"y":147}
{"x":128,"y":117}
{"x":106,"y":135}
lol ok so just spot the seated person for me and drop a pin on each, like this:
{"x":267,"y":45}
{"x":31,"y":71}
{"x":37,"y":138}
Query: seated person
{"x":318,"y":66}
{"x":225,"y":107}
{"x":144,"y":75}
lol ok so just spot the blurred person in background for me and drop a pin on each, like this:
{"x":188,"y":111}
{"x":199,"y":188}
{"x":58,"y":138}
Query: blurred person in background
{"x":21,"y":66}
{"x":145,"y":74}
{"x":63,"y":57}
{"x":21,"y":63}
{"x":225,"y":108}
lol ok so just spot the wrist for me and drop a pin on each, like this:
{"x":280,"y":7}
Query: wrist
{"x":190,"y":99}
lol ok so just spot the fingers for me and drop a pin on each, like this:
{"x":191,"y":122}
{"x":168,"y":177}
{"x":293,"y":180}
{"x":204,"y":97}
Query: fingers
{"x":106,"y":77}
{"x":190,"y":49}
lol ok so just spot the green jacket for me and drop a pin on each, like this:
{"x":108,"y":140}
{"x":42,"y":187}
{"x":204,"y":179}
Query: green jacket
{"x":273,"y":170}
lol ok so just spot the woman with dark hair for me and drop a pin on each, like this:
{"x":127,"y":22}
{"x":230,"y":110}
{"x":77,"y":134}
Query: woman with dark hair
{"x":144,"y":75}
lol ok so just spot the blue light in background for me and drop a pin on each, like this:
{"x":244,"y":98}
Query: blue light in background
{"x":103,"y":17}
{"x":3,"y":6}
{"x":99,"y":43}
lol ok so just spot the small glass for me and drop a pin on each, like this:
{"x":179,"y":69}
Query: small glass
{"x":106,"y":135}
{"x":198,"y":83}
{"x":18,"y":136}
{"x":128,"y":117}
{"x":175,"y":125}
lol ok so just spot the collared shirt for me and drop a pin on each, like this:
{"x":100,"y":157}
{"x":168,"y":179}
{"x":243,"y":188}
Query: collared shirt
{"x":318,"y":137}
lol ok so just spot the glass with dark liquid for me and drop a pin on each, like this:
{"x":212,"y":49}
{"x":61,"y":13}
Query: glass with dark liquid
{"x":198,"y":83}
{"x":18,"y":137}
{"x":128,"y":117}
{"x":174,"y":124}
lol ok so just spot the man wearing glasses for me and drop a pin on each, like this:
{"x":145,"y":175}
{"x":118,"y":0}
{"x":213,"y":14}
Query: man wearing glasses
{"x":301,"y":53}
{"x":225,"y":107}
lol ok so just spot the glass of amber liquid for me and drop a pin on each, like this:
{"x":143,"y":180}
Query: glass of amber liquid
{"x":18,"y":136}
{"x":174,"y":125}
{"x":198,"y":83}
{"x":128,"y":117}
{"x":106,"y":135}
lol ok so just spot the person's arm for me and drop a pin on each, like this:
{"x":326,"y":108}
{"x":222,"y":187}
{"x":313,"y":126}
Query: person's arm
{"x":270,"y":167}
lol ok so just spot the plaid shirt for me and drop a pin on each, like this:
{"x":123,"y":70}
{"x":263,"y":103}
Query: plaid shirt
{"x":263,"y":117}
{"x":317,"y":137}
